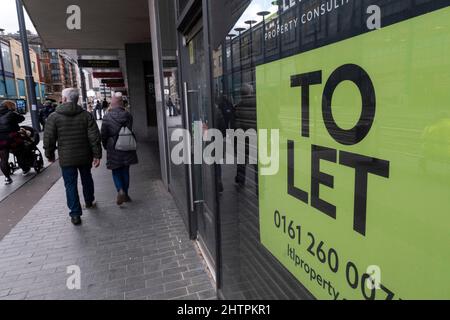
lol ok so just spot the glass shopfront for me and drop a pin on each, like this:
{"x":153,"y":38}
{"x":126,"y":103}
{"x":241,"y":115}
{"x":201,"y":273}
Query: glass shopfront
{"x":356,"y":206}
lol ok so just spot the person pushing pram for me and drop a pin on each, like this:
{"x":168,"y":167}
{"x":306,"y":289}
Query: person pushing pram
{"x":22,"y":142}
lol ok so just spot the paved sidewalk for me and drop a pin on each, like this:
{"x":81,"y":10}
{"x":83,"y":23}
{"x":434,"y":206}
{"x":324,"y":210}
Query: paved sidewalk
{"x":140,"y":251}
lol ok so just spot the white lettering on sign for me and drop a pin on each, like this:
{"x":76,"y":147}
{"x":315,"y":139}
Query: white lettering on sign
{"x":274,"y":28}
{"x":287,"y":4}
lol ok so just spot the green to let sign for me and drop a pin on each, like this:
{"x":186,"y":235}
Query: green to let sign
{"x":360,"y":208}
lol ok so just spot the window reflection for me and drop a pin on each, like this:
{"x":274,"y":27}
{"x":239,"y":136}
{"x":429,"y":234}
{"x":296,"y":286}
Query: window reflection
{"x":269,"y":31}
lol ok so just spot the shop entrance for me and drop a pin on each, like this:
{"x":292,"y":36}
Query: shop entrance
{"x":201,"y":177}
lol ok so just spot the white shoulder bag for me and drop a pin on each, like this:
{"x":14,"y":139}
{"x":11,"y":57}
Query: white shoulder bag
{"x":125,"y":140}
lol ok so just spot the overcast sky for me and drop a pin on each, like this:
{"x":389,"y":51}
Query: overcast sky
{"x":252,"y":10}
{"x":8,"y":17}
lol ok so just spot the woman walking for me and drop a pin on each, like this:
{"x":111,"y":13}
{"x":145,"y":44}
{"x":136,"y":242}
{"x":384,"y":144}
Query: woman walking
{"x":10,"y":139}
{"x":118,"y":161}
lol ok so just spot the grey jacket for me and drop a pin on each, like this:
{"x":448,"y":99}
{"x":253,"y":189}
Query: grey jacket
{"x":112,"y":123}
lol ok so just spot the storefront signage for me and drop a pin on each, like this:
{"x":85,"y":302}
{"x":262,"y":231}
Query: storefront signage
{"x":107,"y":64}
{"x":107,"y":75}
{"x":116,"y":85}
{"x":113,"y":81}
{"x":360,"y":206}
{"x":310,"y":12}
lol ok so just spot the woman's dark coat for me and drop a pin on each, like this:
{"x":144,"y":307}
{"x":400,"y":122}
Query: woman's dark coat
{"x":112,"y":124}
{"x":9,"y":120}
{"x":9,"y":126}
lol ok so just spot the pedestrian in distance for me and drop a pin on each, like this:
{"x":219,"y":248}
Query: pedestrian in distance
{"x":45,"y":112}
{"x":171,"y":106}
{"x":115,"y":122}
{"x":77,"y":136}
{"x":98,"y":111}
{"x":10,"y":139}
{"x":105,"y":106}
{"x":41,"y":116}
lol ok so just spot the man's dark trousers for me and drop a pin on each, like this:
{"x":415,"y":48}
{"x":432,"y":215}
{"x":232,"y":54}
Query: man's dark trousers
{"x":70,"y":176}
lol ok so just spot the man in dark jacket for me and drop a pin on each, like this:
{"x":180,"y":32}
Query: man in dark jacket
{"x":44,"y":112}
{"x":75,"y":132}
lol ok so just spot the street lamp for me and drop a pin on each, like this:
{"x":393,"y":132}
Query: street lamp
{"x":251,"y":23}
{"x":239,"y":30}
{"x":28,"y":73}
{"x":230,"y":37}
{"x":263,"y":14}
{"x":279,"y":3}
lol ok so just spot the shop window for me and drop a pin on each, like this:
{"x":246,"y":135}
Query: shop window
{"x":11,"y":88}
{"x":37,"y":90}
{"x":43,"y":91}
{"x":2,"y":88}
{"x":18,"y":65}
{"x":21,"y":87}
{"x":6,"y":56}
{"x":324,"y":56}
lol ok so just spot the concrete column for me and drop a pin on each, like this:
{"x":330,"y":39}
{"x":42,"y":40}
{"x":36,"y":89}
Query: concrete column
{"x":136,"y":56}
{"x":155,"y":29}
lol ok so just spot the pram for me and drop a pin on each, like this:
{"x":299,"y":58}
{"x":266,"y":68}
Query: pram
{"x":30,"y":152}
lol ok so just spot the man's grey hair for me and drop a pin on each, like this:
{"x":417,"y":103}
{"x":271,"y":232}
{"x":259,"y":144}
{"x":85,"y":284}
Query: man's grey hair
{"x":71,"y":95}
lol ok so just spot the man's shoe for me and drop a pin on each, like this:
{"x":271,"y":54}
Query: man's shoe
{"x":121,"y":197}
{"x":92,"y":205}
{"x":26,"y":172}
{"x":8,"y":181}
{"x":127,"y":199}
{"x":76,"y":221}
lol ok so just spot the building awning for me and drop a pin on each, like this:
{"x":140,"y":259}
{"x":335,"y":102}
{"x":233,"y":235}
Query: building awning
{"x":104,"y":24}
{"x":225,"y":14}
